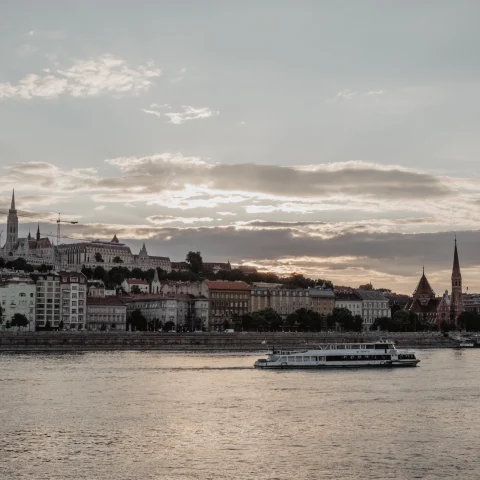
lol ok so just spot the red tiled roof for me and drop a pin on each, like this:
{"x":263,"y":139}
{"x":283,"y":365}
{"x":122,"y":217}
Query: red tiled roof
{"x":136,"y":281}
{"x":226,"y":285}
{"x":107,"y":301}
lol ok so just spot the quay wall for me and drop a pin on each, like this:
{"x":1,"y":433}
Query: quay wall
{"x":23,"y":342}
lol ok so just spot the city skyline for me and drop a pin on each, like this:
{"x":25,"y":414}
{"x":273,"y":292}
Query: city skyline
{"x":339,"y":143}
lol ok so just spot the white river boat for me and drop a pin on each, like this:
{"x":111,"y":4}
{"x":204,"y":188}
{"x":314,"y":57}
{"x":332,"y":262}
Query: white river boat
{"x":338,"y":355}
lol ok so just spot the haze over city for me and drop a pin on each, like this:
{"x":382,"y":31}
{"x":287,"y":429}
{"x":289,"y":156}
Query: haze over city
{"x":341,"y":142}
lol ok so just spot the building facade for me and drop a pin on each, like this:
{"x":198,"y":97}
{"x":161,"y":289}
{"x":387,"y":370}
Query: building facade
{"x":228,"y":301}
{"x":349,"y":300}
{"x":374,"y":305}
{"x":17,"y":295}
{"x":73,"y":294}
{"x":47,"y":301}
{"x":35,"y":251}
{"x":322,"y":300}
{"x":284,"y":301}
{"x":108,"y":313}
{"x":129,"y":283}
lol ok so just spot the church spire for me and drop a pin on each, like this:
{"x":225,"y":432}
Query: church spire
{"x":38,"y":232}
{"x":12,"y":206}
{"x":456,"y":263}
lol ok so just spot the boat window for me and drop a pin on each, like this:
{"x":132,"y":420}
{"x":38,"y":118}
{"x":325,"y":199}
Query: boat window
{"x":298,"y":359}
{"x":290,"y":359}
{"x":340,"y":347}
{"x":362,"y":346}
{"x":380,"y":346}
{"x":371,"y":346}
{"x":282,"y":359}
{"x":354,"y":346}
{"x":321,"y":359}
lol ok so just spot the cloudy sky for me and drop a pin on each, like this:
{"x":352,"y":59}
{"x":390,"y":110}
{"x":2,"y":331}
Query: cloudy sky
{"x":337,"y":139}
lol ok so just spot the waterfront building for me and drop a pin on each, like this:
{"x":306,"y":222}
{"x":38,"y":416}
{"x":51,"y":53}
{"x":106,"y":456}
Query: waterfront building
{"x":17,"y":295}
{"x":444,"y":309}
{"x":173,"y":288}
{"x":228,"y":301}
{"x":73,"y":294}
{"x":95,"y":288}
{"x":349,"y":300}
{"x":374,"y":305}
{"x":322,"y":300}
{"x":184,"y":311}
{"x":47,"y":300}
{"x":106,"y":312}
{"x":283,"y":300}
{"x":130,"y":283}
{"x":471,"y":302}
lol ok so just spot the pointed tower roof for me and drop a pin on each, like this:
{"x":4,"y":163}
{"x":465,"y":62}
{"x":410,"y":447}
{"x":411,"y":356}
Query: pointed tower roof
{"x":143,"y":251}
{"x":114,"y":239}
{"x":155,"y":277}
{"x":456,"y":263}
{"x":38,"y":232}
{"x":29,"y":236}
{"x":12,"y":206}
{"x":423,"y":287}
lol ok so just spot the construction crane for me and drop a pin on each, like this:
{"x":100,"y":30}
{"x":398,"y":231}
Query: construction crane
{"x":71,"y":222}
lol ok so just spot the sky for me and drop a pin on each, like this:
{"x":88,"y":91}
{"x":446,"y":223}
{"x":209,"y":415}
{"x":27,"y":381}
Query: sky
{"x":334,"y":139}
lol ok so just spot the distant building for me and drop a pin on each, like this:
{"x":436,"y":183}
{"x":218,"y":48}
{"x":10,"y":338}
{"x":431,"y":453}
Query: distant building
{"x":427,"y":306}
{"x":48,"y":300}
{"x":283,"y":301}
{"x":322,"y":300}
{"x":374,"y":305}
{"x":110,"y":312}
{"x":17,"y":295}
{"x":35,"y":251}
{"x":228,"y":301}
{"x":349,"y":300}
{"x":130,"y":283}
{"x":73,"y":294}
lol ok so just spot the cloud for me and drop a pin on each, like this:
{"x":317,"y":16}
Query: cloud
{"x":346,"y":95}
{"x":152,"y":112}
{"x":167,"y":219}
{"x":101,"y":75}
{"x":172,"y":171}
{"x":189,"y":113}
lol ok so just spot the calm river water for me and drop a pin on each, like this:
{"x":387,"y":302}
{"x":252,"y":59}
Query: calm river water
{"x":131,"y":415}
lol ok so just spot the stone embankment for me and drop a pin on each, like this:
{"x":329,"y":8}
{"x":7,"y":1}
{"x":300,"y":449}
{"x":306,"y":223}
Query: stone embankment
{"x":23,"y":342}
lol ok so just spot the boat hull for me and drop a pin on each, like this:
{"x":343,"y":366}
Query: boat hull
{"x":385,"y":364}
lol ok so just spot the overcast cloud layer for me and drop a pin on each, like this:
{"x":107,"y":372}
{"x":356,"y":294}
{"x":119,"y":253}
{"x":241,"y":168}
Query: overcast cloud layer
{"x":337,"y":140}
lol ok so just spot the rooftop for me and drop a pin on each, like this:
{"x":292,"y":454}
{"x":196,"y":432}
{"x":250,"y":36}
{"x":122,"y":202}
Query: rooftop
{"x":227,"y":285}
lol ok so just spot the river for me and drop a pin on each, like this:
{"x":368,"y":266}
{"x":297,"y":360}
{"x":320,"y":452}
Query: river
{"x":135,"y":415}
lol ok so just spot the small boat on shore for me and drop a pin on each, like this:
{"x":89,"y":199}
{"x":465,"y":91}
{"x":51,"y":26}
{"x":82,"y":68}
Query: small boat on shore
{"x":337,"y":355}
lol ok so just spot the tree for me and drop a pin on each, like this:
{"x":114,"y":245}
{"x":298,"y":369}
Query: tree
{"x":137,"y":321}
{"x":103,"y":327}
{"x":117,"y":260}
{"x":226,"y":324}
{"x":113,"y":326}
{"x":305,"y":320}
{"x":194,"y":261}
{"x":60,"y":325}
{"x":98,"y":257}
{"x":135,"y":289}
{"x":7,"y":324}
{"x":99,"y":273}
{"x":48,"y":325}
{"x":87,"y":271}
{"x":137,"y":273}
{"x":116,"y":276}
{"x":2,"y":262}
{"x":1,"y":315}
{"x":343,"y":318}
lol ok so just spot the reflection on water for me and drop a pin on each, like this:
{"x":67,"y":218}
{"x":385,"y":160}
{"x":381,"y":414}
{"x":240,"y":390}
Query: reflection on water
{"x":162,"y":416}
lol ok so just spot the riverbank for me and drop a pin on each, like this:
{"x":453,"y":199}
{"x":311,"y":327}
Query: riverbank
{"x":24,"y":342}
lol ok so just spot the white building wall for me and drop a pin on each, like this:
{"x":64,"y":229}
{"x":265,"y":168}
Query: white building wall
{"x":18,"y":298}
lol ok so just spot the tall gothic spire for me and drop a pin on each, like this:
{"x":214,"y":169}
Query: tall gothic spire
{"x":456,"y":263}
{"x":12,"y":206}
{"x":38,"y":232}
